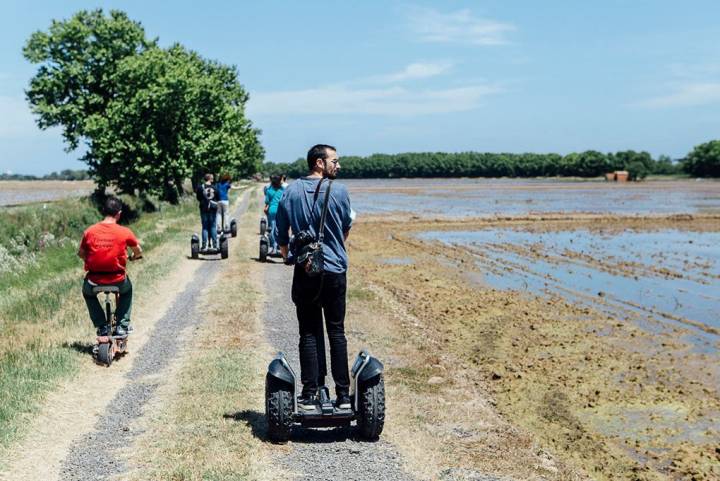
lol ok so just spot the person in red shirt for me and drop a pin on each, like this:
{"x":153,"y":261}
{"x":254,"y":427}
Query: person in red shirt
{"x":104,"y":249}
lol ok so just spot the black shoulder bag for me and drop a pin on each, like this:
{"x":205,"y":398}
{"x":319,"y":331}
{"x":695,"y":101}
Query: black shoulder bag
{"x":311,"y":256}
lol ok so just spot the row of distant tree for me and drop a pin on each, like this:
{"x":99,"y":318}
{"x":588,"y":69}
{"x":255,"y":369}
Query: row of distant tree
{"x":704,"y":160}
{"x":67,"y":174}
{"x":148,"y":117}
{"x":478,"y":164}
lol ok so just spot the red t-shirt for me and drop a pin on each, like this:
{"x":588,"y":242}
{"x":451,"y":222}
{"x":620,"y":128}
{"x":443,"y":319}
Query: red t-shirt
{"x":106,"y":247}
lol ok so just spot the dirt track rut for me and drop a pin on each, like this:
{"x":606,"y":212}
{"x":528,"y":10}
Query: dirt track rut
{"x":99,"y":454}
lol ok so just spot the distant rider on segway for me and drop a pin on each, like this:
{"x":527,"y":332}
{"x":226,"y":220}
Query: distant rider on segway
{"x":104,"y":250}
{"x":208,"y":197}
{"x":273,"y":194}
{"x":300,"y":209}
{"x":223,"y":213}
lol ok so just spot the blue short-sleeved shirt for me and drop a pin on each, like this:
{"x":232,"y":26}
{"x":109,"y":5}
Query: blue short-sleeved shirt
{"x":223,"y":188}
{"x":296,"y":212}
{"x":272,"y":198}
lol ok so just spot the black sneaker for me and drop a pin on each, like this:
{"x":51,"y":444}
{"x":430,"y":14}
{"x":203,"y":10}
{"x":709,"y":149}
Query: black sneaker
{"x":307,"y":402}
{"x":343,"y":402}
{"x":103,"y":331}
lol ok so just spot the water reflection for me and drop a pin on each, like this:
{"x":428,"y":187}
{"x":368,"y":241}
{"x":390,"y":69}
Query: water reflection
{"x":489,"y":197}
{"x":669,"y":274}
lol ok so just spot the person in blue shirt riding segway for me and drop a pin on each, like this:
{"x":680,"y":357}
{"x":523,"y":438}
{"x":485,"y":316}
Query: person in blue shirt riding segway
{"x":273,"y":194}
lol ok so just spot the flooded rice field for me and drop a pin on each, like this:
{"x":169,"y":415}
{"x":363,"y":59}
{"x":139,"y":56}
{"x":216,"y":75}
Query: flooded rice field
{"x":24,"y":192}
{"x":670,"y":275}
{"x":590,"y":309}
{"x":659,"y":270}
{"x":491,"y":197}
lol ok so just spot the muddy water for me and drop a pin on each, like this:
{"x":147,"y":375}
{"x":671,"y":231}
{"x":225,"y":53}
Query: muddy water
{"x":488,"y":197}
{"x":670,"y":275}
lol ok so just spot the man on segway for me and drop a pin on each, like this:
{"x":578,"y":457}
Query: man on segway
{"x":208,"y":197}
{"x":319,"y":280}
{"x":104,"y":249}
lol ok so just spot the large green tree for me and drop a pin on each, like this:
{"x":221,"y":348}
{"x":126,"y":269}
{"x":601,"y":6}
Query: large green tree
{"x":704,"y":160}
{"x":155,"y":117}
{"x":78,"y":59}
{"x":176,"y":116}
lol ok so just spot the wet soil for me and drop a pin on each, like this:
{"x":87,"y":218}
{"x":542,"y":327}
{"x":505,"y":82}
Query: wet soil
{"x":601,"y":390}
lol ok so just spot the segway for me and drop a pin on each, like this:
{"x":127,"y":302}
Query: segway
{"x":263,"y":225}
{"x":264,"y":247}
{"x":367,"y":394}
{"x":233,"y":226}
{"x":109,"y":347}
{"x":196,"y":251}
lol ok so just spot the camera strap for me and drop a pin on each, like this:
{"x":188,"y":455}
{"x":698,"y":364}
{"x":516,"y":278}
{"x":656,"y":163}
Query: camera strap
{"x":321,"y":230}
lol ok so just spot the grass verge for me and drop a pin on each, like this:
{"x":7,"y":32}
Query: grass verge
{"x":208,"y":423}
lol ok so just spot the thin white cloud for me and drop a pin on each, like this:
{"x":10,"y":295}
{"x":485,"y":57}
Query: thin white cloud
{"x":16,"y":120}
{"x":414,"y":71}
{"x":687,"y":95}
{"x":457,"y":27}
{"x":393,"y":101}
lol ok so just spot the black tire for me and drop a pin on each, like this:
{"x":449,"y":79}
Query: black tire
{"x":104,"y":354}
{"x":278,"y":410}
{"x":263,"y":226}
{"x":371,"y":408}
{"x":194,"y":250}
{"x":233,"y":228}
{"x":263,"y":250}
{"x":224,"y":248}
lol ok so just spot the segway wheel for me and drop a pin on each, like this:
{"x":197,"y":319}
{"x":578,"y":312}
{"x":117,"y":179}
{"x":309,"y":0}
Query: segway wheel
{"x":263,"y":226}
{"x":278,"y":410}
{"x":233,"y":228}
{"x":224,"y":248}
{"x":105,"y":354}
{"x":263,"y":250}
{"x":194,"y":250}
{"x":371,"y":408}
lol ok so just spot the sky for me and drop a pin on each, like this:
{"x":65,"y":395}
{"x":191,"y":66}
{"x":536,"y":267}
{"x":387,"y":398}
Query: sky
{"x":408,"y":76}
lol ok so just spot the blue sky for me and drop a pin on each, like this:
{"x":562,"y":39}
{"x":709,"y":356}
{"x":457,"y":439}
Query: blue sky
{"x":383,"y":76}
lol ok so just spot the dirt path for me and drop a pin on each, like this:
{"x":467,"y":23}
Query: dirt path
{"x":81,"y":432}
{"x":327,"y":454}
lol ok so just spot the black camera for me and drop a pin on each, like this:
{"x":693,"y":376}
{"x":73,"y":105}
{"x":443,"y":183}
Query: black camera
{"x":301,"y":239}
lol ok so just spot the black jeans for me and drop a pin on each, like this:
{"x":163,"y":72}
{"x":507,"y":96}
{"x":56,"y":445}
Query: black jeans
{"x":313,"y":297}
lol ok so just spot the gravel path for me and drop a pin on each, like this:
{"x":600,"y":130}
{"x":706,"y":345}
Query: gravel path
{"x":327,"y":454}
{"x":99,"y":455}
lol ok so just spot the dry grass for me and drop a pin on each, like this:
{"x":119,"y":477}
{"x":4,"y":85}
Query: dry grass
{"x":208,"y":424}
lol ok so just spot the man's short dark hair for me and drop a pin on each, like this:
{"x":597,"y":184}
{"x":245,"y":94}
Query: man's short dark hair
{"x":319,"y":151}
{"x":208,"y":177}
{"x":112,"y":206}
